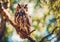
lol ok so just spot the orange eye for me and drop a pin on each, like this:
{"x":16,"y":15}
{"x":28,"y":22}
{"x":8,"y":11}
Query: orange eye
{"x":25,"y":7}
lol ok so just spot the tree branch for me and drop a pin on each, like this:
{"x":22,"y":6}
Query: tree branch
{"x":3,"y":27}
{"x":7,"y":16}
{"x":48,"y":34}
{"x":3,"y":24}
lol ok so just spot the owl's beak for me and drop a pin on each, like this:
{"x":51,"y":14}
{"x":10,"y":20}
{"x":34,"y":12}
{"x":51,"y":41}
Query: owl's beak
{"x":22,"y":10}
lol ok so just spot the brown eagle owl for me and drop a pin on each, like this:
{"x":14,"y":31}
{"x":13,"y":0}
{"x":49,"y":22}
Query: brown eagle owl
{"x":23,"y":20}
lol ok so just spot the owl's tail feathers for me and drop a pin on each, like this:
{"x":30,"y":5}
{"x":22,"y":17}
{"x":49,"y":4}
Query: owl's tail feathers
{"x":24,"y":35}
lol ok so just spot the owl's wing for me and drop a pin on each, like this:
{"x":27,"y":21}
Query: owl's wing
{"x":29,"y":20}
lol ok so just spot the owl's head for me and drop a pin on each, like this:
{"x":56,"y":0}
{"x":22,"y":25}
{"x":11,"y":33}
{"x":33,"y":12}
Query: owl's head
{"x":22,"y":8}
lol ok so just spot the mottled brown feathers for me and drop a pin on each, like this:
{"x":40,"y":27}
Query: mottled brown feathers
{"x":22,"y":20}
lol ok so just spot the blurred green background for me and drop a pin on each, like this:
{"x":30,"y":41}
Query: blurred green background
{"x":44,"y":14}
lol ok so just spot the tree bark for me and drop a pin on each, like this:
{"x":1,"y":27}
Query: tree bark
{"x":3,"y":27}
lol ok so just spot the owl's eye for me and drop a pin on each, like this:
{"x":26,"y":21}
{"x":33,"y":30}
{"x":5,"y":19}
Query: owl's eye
{"x":25,"y":7}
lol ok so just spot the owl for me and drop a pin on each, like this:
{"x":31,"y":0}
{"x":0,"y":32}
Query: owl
{"x":23,"y":20}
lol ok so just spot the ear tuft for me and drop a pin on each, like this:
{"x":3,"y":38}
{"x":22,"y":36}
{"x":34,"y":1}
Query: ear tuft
{"x":18,"y":4}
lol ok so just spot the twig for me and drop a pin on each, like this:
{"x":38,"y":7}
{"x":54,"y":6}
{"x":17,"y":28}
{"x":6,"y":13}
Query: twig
{"x":48,"y":35}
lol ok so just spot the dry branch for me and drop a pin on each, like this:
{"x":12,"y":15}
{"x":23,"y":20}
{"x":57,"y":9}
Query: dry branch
{"x":48,"y":34}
